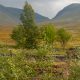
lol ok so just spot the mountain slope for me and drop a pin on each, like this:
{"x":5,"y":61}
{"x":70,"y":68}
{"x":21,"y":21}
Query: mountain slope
{"x":10,"y":16}
{"x":70,"y":13}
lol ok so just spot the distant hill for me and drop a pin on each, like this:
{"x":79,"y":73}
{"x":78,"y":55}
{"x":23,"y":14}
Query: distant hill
{"x":69,"y":14}
{"x":11,"y":16}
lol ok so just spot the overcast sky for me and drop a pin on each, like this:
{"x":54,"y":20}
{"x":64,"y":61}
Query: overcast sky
{"x":47,"y":8}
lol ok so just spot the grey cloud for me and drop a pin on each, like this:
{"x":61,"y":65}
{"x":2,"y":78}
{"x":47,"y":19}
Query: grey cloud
{"x":46,"y":7}
{"x":50,"y":8}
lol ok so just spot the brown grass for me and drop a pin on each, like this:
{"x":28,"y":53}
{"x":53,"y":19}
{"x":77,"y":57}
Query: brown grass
{"x":5,"y":32}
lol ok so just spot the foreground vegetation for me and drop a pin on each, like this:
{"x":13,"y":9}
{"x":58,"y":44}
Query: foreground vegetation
{"x":18,"y":64}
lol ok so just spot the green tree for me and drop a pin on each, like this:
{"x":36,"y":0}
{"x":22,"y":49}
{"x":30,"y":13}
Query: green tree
{"x":27,"y":16}
{"x":49,"y":34}
{"x":63,"y":37}
{"x":27,"y":19}
{"x":27,"y":34}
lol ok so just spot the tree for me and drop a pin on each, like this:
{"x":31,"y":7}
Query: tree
{"x":26,"y":35}
{"x":27,"y":19}
{"x":49,"y":33}
{"x":27,"y":16}
{"x":63,"y":37}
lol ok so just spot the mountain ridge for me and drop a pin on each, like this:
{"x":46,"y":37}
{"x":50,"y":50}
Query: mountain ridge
{"x":11,"y":16}
{"x":69,"y":13}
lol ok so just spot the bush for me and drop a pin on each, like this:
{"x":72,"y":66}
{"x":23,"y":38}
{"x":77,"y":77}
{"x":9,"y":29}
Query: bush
{"x":63,"y":37}
{"x":74,"y":72}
